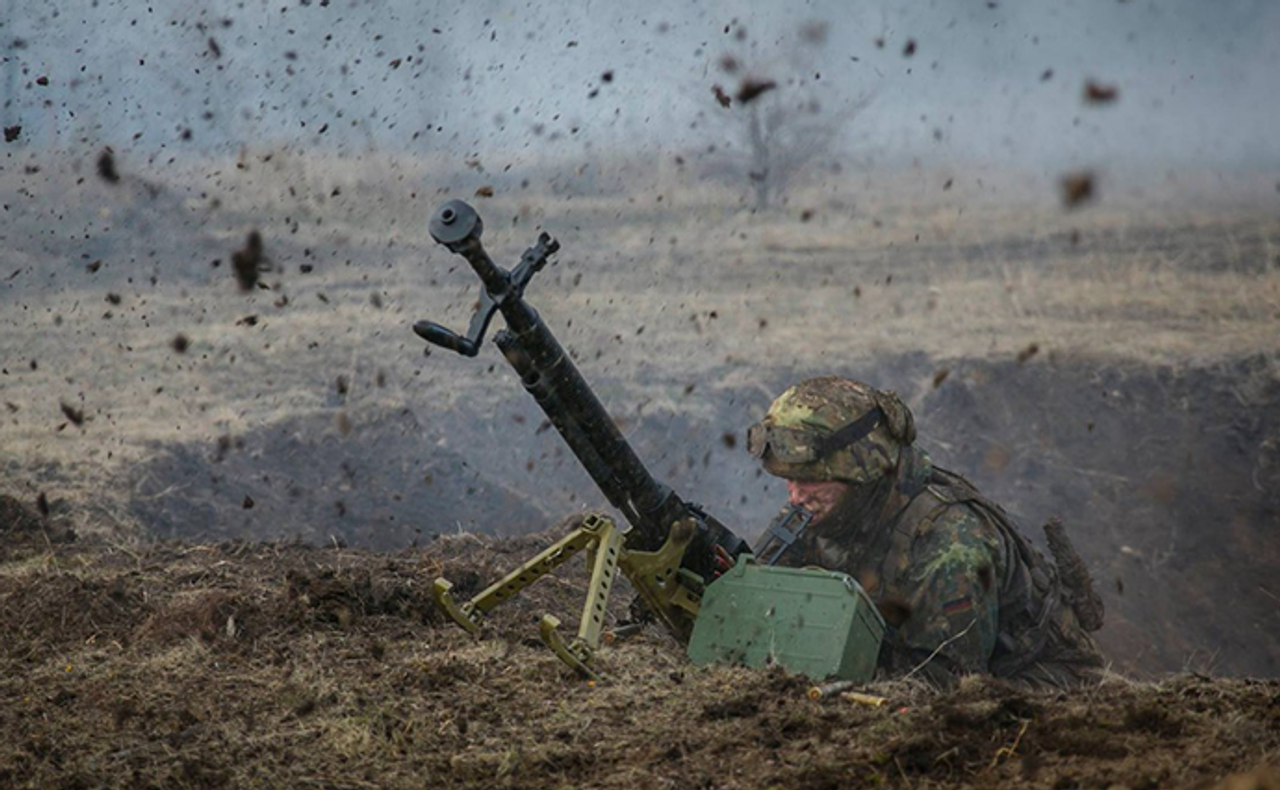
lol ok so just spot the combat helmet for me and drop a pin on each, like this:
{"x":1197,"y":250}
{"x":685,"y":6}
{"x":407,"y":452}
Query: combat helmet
{"x":832,"y":428}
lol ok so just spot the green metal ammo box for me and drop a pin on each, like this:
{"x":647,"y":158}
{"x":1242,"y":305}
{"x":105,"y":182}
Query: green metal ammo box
{"x":810,"y":621}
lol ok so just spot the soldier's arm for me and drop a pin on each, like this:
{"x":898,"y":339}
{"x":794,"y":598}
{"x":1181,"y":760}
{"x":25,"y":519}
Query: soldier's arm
{"x":953,"y":594}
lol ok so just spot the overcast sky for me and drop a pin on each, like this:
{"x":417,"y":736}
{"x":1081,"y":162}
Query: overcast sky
{"x":1198,"y":82}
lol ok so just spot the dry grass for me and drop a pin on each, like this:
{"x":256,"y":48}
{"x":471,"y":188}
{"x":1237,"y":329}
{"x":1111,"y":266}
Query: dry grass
{"x":336,"y":674}
{"x":660,"y":285}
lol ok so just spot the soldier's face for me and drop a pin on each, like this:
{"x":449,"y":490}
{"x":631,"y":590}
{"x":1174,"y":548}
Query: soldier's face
{"x":817,"y":498}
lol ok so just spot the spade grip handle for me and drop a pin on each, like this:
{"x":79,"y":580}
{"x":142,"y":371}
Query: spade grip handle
{"x":438,"y":335}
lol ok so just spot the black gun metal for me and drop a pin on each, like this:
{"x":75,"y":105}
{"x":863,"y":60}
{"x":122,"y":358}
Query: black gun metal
{"x":548,"y":374}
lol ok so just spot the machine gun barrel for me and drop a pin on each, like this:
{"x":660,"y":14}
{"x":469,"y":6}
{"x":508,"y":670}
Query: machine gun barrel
{"x":548,"y":373}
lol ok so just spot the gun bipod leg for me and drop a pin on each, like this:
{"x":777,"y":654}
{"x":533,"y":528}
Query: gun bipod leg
{"x":604,"y":570}
{"x":576,"y":654}
{"x":469,"y":614}
{"x":596,"y":532}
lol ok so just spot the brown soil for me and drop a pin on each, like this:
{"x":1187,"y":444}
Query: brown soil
{"x":265,"y":664}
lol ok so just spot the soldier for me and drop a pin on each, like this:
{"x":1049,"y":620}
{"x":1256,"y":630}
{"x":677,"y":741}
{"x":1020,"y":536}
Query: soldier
{"x":961,"y":588}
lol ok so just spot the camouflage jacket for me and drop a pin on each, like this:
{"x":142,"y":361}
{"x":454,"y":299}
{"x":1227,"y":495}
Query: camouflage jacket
{"x":961,"y":589}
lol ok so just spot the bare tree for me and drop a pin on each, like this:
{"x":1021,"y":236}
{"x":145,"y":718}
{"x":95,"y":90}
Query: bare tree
{"x":776,"y":127}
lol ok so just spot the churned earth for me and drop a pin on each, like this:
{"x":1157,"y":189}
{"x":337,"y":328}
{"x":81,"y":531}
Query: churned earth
{"x":238,"y":664}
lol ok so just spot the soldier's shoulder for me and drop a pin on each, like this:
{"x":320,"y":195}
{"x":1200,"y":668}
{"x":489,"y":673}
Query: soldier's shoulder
{"x":938,"y":511}
{"x":955,"y":535}
{"x":960,"y":517}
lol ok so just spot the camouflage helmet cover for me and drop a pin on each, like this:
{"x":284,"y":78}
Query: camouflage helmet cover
{"x":821,"y":406}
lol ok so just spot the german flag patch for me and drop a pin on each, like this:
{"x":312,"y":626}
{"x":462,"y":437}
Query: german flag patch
{"x":958,"y":606}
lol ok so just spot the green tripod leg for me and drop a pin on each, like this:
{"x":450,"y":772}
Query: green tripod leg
{"x":470,"y":614}
{"x":673,"y":593}
{"x":596,"y":532}
{"x":604,"y":569}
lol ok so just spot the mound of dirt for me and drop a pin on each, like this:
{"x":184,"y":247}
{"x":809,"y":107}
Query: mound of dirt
{"x":1167,"y":478}
{"x":373,"y":478}
{"x":263,"y":664}
{"x":16,"y":518}
{"x":24,"y":529}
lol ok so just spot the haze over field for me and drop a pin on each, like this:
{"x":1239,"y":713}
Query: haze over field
{"x":996,"y":82}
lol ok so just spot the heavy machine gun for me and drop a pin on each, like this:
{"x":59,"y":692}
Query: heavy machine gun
{"x":669,"y":552}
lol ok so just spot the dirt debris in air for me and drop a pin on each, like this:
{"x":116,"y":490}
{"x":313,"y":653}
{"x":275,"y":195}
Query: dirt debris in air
{"x":249,"y":263}
{"x":107,"y":166}
{"x":1077,"y":189}
{"x":199,"y":665}
{"x":752,"y":89}
{"x":1099,"y":93}
{"x":76,"y":416}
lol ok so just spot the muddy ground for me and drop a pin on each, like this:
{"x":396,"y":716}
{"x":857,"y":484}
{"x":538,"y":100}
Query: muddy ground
{"x":263,"y":481}
{"x":237,"y":664}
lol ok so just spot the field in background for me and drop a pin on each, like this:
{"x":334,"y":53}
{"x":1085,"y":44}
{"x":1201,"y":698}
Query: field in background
{"x":1115,"y":365}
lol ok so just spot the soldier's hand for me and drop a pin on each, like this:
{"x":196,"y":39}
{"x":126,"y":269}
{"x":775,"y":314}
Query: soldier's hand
{"x":721,"y":562}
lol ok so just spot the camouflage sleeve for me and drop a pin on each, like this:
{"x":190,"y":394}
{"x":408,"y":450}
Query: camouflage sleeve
{"x":954,"y":597}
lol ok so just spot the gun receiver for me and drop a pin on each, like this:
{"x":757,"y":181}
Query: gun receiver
{"x":548,"y":374}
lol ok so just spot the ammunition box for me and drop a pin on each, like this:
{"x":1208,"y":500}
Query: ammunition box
{"x":810,"y":621}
